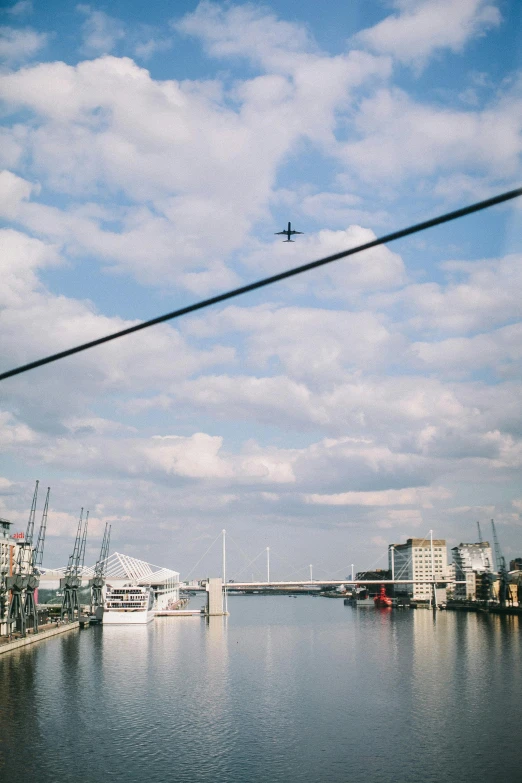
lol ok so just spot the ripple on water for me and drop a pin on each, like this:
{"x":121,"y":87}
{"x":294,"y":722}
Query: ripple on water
{"x":302,"y":690}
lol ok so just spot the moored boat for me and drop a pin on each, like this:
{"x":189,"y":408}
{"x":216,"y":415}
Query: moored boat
{"x":381,"y":600}
{"x":130,"y":604}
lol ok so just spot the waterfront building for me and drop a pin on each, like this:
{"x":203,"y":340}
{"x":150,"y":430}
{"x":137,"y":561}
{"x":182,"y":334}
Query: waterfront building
{"x":6,"y":543}
{"x":516,"y":564}
{"x":471,"y":559}
{"x":9,"y":547}
{"x":130,"y":584}
{"x":6,"y":546}
{"x":419,"y":558}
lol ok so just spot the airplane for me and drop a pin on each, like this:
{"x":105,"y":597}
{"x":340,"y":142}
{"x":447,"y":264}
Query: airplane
{"x":288,"y":232}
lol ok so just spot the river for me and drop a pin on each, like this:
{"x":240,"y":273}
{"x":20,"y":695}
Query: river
{"x":284,"y":689}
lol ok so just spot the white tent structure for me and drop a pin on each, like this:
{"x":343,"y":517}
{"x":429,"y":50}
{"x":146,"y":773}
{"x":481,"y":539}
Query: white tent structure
{"x":123,"y":570}
{"x":118,"y":566}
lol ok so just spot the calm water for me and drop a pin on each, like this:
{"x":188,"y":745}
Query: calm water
{"x":285,"y":689}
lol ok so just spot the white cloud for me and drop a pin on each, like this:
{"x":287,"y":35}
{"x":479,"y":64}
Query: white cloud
{"x":378,"y":268}
{"x":13,"y":434}
{"x":101,"y":32}
{"x":20,"y":257}
{"x":13,"y":190}
{"x":20,"y":9}
{"x":107,"y":125}
{"x":150,"y":46}
{"x":378,"y":411}
{"x":312,"y":344}
{"x":390,"y":497}
{"x":247,"y":31}
{"x":399,"y":137}
{"x":18,"y":45}
{"x":309,"y":85}
{"x":35,"y":323}
{"x":339,"y":209}
{"x":500,"y":349}
{"x":423,"y":27}
{"x":477,"y":295}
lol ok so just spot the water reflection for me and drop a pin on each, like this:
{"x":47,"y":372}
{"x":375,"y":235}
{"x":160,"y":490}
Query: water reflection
{"x":282,"y":690}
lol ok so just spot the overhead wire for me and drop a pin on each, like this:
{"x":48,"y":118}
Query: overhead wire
{"x":449,"y":216}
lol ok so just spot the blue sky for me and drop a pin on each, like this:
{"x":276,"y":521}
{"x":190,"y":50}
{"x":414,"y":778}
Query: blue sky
{"x":147,"y":156}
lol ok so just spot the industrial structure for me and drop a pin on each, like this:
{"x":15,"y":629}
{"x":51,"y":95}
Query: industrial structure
{"x":21,"y":579}
{"x":98,"y":580}
{"x":33,"y":579}
{"x":504,"y":592}
{"x":71,"y":581}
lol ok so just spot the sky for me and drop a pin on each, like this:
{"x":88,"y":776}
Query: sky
{"x":148,"y":154}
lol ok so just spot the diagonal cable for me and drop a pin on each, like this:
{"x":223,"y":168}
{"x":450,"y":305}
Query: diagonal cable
{"x":202,"y":556}
{"x":404,"y":232}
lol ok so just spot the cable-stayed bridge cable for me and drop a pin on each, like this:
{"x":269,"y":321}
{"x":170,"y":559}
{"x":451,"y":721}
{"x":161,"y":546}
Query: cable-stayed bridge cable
{"x":202,"y":556}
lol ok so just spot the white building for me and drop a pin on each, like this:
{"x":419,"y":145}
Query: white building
{"x":6,"y":546}
{"x":421,"y":559}
{"x":122,"y":570}
{"x":470,"y":559}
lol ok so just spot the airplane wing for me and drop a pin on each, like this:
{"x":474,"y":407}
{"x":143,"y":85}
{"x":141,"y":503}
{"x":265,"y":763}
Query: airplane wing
{"x":281,"y":232}
{"x":296,"y":232}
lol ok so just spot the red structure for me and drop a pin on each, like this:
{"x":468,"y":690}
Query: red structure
{"x":381,"y":600}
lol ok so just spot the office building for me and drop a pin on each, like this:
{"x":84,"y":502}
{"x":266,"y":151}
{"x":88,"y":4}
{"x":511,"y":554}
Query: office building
{"x":421,"y":559}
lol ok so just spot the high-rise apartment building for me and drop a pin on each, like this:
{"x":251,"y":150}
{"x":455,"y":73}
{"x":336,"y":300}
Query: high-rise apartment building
{"x":419,"y":558}
{"x":471,"y":559}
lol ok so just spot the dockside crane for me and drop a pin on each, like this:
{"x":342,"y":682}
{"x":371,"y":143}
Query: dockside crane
{"x":72,"y":580}
{"x":33,"y":579}
{"x":504,"y":594}
{"x":98,"y":580}
{"x":18,"y":581}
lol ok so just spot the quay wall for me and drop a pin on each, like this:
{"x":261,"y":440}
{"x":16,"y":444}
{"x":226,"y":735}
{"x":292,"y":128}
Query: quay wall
{"x":31,"y":639}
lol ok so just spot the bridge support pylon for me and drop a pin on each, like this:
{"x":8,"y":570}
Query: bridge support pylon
{"x":215,"y":602}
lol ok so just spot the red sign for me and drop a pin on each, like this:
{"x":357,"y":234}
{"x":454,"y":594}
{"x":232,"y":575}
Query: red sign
{"x":18,"y":535}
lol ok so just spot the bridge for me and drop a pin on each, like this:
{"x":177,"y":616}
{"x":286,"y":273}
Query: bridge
{"x":217,"y":589}
{"x":166,"y":585}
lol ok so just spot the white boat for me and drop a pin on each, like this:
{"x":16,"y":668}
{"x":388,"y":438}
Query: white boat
{"x":130,"y":604}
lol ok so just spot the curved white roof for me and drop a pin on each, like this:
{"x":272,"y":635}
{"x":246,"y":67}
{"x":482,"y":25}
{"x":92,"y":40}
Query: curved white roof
{"x":119,"y":566}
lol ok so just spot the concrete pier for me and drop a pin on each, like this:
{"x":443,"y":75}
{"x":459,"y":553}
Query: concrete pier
{"x":37,"y":637}
{"x":215,"y":597}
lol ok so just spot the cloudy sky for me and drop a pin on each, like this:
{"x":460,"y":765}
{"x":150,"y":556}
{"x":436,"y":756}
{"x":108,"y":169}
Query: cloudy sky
{"x":148,"y":153}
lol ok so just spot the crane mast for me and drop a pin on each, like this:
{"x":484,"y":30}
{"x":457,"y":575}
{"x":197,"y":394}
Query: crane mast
{"x":33,"y":580}
{"x":17,"y":583}
{"x":98,"y":580}
{"x":72,"y":580}
{"x":504,"y":594}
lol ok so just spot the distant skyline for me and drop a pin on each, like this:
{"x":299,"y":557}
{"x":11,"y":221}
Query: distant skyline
{"x":148,"y":155}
